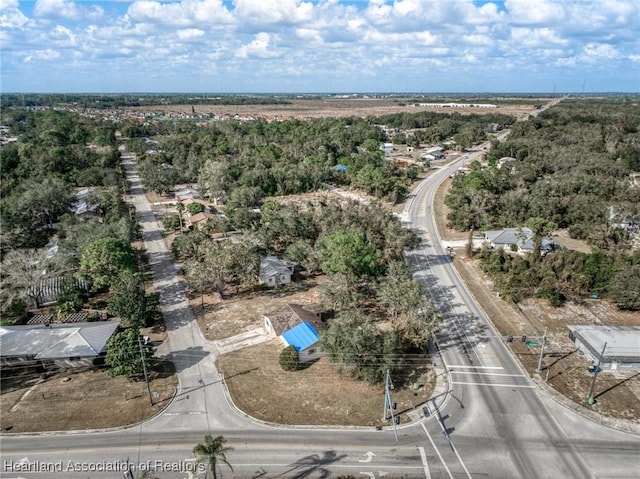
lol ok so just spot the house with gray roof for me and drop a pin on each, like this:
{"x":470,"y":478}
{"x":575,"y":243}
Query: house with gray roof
{"x":68,"y":345}
{"x":275,"y":271}
{"x":521,"y":238}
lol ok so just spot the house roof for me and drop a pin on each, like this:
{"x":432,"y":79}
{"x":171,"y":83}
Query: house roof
{"x":301,"y":336}
{"x":523,"y":237}
{"x":56,"y":341}
{"x":291,"y":315}
{"x":199,"y":217}
{"x":187,"y":193}
{"x":272,"y":265}
{"x":623,"y":342}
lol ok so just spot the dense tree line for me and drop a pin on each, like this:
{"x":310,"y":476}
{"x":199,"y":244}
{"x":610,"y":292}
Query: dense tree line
{"x":139,"y":99}
{"x":571,"y":166}
{"x":56,"y":153}
{"x":243,"y":162}
{"x":566,"y":275}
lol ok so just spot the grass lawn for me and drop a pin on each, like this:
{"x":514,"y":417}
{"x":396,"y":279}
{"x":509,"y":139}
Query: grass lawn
{"x":316,"y":395}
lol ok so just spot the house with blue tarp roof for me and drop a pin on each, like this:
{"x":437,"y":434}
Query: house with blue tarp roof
{"x":296,"y":326}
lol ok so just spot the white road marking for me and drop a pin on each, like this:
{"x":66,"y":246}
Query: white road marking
{"x":474,"y":367}
{"x":453,"y":447}
{"x":423,"y":456}
{"x":488,"y":374}
{"x":437,"y":451}
{"x":497,"y":385}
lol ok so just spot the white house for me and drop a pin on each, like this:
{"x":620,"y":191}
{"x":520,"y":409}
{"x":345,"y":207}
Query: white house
{"x":275,"y":271}
{"x":296,"y":326}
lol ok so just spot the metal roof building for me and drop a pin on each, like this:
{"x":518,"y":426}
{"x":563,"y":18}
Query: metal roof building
{"x":63,"y":344}
{"x":622,"y":349}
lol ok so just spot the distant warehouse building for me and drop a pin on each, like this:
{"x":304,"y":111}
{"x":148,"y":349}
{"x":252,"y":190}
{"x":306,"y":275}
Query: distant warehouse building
{"x":622,"y":345}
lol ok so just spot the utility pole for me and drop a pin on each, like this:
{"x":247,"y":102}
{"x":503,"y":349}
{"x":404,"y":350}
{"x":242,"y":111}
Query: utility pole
{"x":590,"y":399}
{"x":144,"y":369}
{"x":544,"y":338}
{"x":388,"y":405}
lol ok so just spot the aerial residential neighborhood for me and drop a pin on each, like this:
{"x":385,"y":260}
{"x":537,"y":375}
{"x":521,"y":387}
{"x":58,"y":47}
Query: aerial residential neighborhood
{"x":297,"y":300}
{"x":319,"y":239}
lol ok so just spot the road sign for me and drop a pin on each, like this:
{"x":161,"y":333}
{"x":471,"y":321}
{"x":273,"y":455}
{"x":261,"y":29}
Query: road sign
{"x":533,"y":343}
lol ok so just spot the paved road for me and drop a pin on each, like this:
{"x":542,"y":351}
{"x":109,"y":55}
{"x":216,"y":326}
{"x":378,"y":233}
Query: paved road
{"x":494,"y":422}
{"x":495,"y":415}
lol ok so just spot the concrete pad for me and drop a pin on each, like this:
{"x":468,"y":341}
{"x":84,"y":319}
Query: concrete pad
{"x":243,"y":340}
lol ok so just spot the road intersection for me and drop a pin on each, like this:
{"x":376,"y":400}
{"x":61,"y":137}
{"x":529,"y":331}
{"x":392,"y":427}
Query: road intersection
{"x":487,"y":418}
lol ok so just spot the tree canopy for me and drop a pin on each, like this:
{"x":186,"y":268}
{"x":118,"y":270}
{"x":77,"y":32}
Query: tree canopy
{"x":103,"y":260}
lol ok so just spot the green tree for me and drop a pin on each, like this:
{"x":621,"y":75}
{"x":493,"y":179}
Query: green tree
{"x":195,"y":208}
{"x":128,"y":300}
{"x":212,"y":451}
{"x":123,"y":354}
{"x":540,"y":227}
{"x":354,"y":340}
{"x":624,"y":288}
{"x":400,"y":293}
{"x":348,"y":253}
{"x":289,"y":358}
{"x":103,"y":260}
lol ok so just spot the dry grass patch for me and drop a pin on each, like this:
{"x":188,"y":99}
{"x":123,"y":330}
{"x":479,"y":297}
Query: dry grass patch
{"x":88,"y":399}
{"x":223,"y":318}
{"x":317,"y":395}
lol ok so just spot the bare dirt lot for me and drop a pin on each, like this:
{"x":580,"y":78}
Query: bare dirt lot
{"x":329,"y":107}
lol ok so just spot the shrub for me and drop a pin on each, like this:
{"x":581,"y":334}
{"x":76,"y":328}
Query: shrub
{"x":289,"y":358}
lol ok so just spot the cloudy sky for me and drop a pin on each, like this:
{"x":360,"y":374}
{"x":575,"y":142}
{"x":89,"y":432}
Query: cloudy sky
{"x":320,"y":46}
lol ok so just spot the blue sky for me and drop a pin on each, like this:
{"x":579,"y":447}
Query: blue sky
{"x":266,"y":46}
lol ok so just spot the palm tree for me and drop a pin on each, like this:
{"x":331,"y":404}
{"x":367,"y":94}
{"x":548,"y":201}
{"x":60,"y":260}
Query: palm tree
{"x":212,"y":451}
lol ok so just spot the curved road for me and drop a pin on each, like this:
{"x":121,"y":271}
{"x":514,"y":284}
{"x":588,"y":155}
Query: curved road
{"x":492,"y":422}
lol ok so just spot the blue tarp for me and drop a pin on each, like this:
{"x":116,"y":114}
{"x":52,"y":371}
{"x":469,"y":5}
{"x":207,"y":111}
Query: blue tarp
{"x":301,"y":336}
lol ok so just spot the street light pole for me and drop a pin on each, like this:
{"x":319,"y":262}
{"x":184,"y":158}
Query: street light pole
{"x":144,"y":369}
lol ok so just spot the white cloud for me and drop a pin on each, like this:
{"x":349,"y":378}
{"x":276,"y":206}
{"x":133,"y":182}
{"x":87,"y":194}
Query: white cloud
{"x":258,"y":48}
{"x":364,"y":43}
{"x":273,"y":11}
{"x":10,"y":14}
{"x":56,"y":9}
{"x":189,"y":33}
{"x":47,"y":54}
{"x":535,"y":38}
{"x":184,"y":13}
{"x":534,"y":12}
{"x":594,"y":52}
{"x":61,"y":37}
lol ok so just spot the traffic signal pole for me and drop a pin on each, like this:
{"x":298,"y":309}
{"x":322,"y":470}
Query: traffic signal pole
{"x":544,"y":338}
{"x":590,"y":399}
